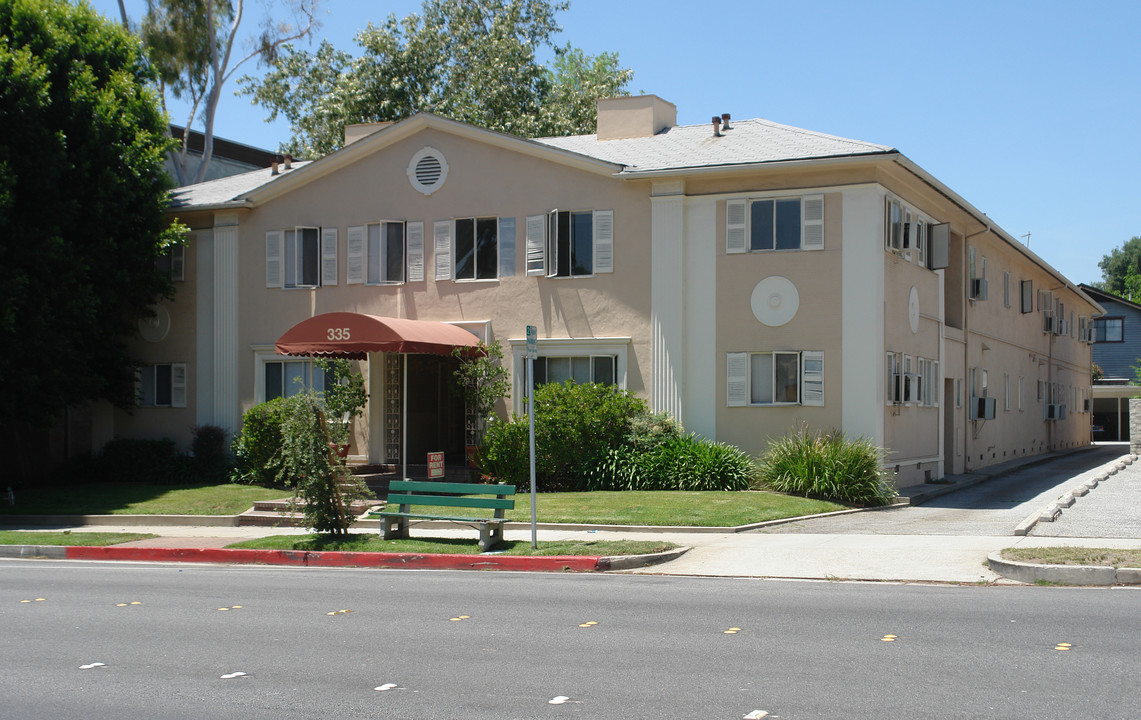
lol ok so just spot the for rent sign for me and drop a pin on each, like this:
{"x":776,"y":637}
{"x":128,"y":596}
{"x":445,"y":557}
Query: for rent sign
{"x":435,"y":465}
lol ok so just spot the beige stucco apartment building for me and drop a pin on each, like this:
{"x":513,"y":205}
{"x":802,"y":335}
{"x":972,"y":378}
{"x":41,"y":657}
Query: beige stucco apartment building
{"x":748,"y":277}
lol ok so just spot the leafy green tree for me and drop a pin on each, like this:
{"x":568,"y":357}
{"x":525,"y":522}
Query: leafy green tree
{"x":1121,"y":270}
{"x":82,"y":196}
{"x":484,"y":383}
{"x":470,"y":60}
{"x":192,"y":45}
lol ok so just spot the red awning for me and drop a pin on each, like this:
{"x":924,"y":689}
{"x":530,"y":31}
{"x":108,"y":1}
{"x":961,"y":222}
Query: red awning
{"x":353,"y":335}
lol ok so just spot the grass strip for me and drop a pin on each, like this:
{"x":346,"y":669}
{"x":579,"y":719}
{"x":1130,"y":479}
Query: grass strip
{"x":667,"y":507}
{"x":1068,"y":555}
{"x":85,"y":539}
{"x":358,"y":542}
{"x":139,"y":499}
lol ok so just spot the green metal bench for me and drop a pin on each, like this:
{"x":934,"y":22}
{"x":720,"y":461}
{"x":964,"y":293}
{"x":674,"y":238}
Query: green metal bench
{"x":409,"y":494}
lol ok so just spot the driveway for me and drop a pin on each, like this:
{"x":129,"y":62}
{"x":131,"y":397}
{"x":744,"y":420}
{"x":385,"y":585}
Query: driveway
{"x":992,"y":508}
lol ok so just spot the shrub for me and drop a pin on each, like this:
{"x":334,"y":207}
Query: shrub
{"x":258,"y":441}
{"x":322,"y":487}
{"x":141,"y":461}
{"x":828,"y":466}
{"x":211,"y":458}
{"x":575,"y":425}
{"x":680,"y":462}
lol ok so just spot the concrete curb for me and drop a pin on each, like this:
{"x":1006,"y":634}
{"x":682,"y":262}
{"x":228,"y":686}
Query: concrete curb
{"x":1031,"y":573}
{"x":1053,"y":511}
{"x":305,"y":558}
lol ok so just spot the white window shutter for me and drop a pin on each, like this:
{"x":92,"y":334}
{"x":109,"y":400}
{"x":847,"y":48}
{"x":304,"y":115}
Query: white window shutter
{"x":553,"y":243}
{"x":506,"y":247}
{"x":443,"y":237}
{"x":178,"y":385}
{"x":812,"y":378}
{"x":328,"y":256}
{"x":354,"y":261}
{"x":737,"y":379}
{"x":415,"y":232}
{"x":603,"y":241}
{"x":736,"y":222}
{"x":813,"y":208}
{"x":274,"y":239}
{"x":536,"y":244}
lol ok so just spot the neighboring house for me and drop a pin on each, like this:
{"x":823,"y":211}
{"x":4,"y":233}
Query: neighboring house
{"x":1116,"y":350}
{"x":748,"y":277}
{"x":227,"y":158}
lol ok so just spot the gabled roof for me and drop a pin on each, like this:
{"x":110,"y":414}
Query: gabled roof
{"x":746,"y":142}
{"x":227,"y":192}
{"x":1101,"y":295}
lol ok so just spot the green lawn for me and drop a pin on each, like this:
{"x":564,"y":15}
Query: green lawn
{"x":1067,"y":555}
{"x":666,"y":507}
{"x":21,"y":537}
{"x":372,"y":542}
{"x":138,"y":499}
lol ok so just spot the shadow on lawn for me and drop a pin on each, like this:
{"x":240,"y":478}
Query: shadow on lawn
{"x":106,"y":499}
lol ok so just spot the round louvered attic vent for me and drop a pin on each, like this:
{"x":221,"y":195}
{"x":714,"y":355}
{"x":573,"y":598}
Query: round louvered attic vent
{"x":428,"y":170}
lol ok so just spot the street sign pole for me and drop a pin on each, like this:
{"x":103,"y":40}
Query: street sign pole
{"x":532,"y":353}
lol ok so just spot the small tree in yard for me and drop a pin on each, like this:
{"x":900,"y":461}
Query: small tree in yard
{"x":344,"y":397}
{"x":484,"y":382}
{"x":322,"y":487}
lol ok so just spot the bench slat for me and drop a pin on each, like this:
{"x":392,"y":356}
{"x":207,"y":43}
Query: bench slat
{"x":443,"y":517}
{"x":451,"y":501}
{"x":454,"y":488}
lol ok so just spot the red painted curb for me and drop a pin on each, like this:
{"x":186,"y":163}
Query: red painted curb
{"x":305,"y":558}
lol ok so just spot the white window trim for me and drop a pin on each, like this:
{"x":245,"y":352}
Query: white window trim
{"x":619,"y":347}
{"x":383,"y":236}
{"x":475,"y":220}
{"x":178,"y":388}
{"x":913,"y":232}
{"x":802,"y":379}
{"x":262,"y":355}
{"x":738,"y":223}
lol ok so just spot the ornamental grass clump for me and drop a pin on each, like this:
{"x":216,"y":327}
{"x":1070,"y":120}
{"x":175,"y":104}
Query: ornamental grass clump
{"x":828,"y":466}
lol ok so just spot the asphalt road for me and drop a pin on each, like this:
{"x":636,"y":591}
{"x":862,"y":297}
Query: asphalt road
{"x":319,"y":643}
{"x":991,"y":508}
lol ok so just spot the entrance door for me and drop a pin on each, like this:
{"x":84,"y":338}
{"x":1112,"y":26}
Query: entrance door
{"x":435,"y":410}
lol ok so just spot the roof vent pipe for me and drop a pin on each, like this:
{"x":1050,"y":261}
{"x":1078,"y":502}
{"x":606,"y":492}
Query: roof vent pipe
{"x":716,"y":126}
{"x":725,"y":121}
{"x":288,"y":162}
{"x":273,"y":168}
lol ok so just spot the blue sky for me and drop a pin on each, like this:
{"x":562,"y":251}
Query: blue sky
{"x":1028,"y":110}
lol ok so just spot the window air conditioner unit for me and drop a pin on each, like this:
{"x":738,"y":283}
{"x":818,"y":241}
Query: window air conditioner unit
{"x":978,"y":288}
{"x":983,"y":408}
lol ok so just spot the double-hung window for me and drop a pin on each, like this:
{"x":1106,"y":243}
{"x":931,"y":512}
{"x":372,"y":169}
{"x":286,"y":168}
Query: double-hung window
{"x":570,"y":243}
{"x":301,"y":257}
{"x":384,"y":253}
{"x":286,"y":378}
{"x":476,"y":248}
{"x":161,"y":385}
{"x":761,"y":225}
{"x":775,"y":378}
{"x":583,"y":369}
{"x":172,"y":263}
{"x":1109,"y":329}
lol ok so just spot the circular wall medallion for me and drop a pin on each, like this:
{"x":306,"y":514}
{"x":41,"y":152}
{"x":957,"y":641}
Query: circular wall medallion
{"x":154,"y":329}
{"x":913,"y":309}
{"x":427,"y":170}
{"x":775,"y":301}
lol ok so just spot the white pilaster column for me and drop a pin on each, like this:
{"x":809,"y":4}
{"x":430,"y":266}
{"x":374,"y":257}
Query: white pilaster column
{"x":226,"y":400}
{"x":862,"y":278}
{"x":667,"y":308}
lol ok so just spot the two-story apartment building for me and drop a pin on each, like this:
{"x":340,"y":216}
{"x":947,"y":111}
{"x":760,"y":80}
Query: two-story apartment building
{"x":747,"y":276}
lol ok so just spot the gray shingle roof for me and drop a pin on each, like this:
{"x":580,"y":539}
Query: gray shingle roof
{"x":694,"y":146}
{"x":226,"y":190}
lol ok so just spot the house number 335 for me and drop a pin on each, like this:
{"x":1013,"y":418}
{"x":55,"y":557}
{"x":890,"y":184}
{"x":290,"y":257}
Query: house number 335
{"x":338,"y":333}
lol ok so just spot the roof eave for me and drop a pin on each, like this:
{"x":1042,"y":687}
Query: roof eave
{"x":750,"y":167}
{"x":981,"y":217}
